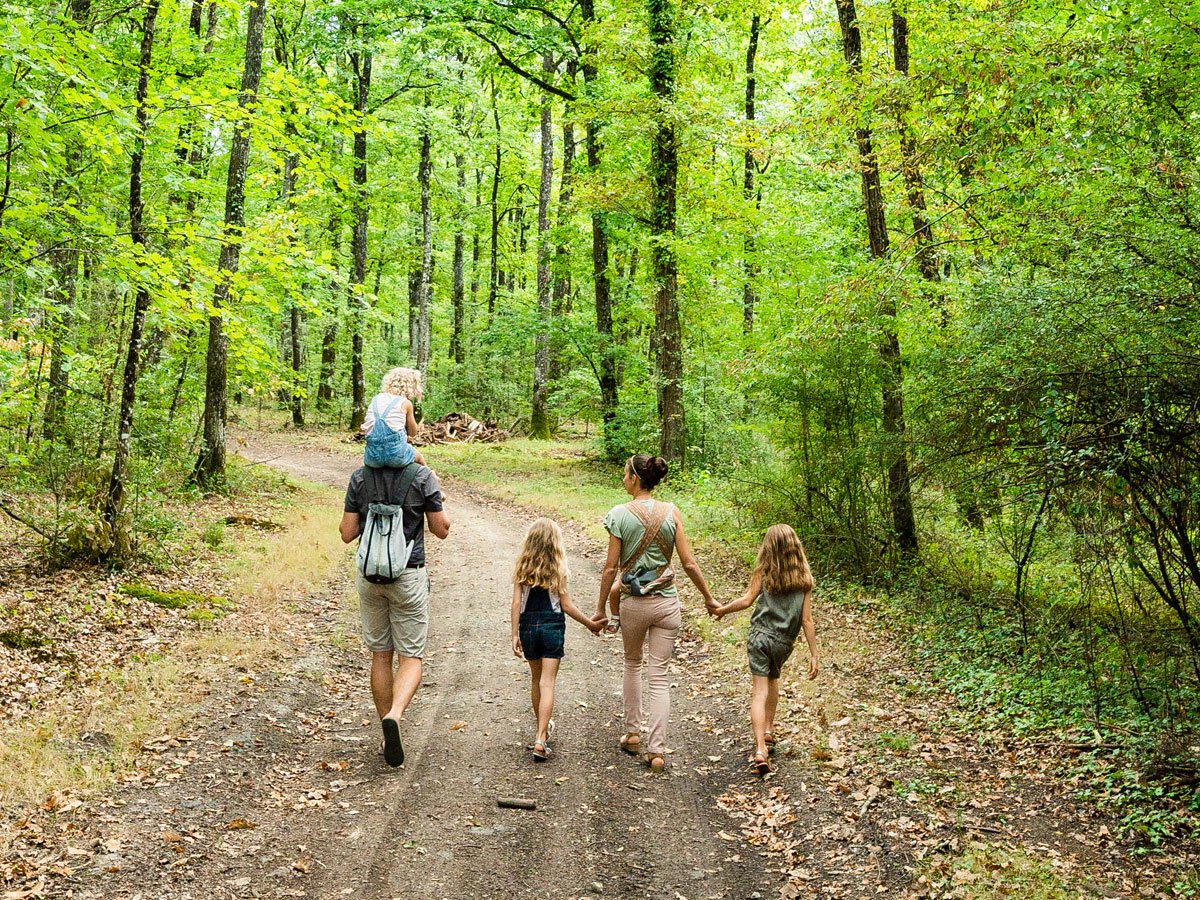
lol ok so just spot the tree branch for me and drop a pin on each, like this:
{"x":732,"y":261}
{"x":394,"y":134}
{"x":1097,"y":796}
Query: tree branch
{"x":529,"y":76}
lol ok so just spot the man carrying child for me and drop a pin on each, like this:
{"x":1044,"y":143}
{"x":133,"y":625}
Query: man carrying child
{"x":395,"y":612}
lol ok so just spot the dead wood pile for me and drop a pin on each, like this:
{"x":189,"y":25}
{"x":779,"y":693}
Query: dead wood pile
{"x":459,"y":428}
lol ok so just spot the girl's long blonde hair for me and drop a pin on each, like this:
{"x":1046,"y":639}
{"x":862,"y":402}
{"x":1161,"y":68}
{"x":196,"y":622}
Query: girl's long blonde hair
{"x":543,"y":558}
{"x":782,"y":563}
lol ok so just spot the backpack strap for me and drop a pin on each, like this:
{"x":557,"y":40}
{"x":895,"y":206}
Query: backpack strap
{"x":652,"y":523}
{"x":376,"y":494}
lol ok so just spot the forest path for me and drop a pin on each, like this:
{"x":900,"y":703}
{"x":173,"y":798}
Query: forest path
{"x":292,"y":753}
{"x":279,"y":791}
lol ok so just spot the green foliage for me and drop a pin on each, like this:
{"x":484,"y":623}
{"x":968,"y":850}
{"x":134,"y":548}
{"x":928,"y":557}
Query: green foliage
{"x":199,"y":603}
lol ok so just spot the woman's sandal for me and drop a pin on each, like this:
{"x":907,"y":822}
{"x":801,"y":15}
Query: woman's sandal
{"x":761,"y":765}
{"x":631,"y":744}
{"x":657,"y":762}
{"x":770,"y":740}
{"x":541,"y":750}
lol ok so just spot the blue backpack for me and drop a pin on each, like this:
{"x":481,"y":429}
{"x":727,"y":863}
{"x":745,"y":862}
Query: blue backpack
{"x":387,"y":447}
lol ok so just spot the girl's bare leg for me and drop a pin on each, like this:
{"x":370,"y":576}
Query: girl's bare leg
{"x":545,"y":709}
{"x":772,"y":704}
{"x":759,"y":691}
{"x":535,"y":686}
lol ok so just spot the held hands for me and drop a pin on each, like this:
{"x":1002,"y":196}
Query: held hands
{"x":596,"y":624}
{"x":714,"y":609}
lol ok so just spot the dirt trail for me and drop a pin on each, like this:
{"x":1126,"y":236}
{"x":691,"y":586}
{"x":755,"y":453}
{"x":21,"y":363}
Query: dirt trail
{"x":292,"y":753}
{"x":279,"y":791}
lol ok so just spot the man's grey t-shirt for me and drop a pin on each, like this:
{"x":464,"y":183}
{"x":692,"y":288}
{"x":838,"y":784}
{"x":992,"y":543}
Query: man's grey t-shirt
{"x":425,"y":496}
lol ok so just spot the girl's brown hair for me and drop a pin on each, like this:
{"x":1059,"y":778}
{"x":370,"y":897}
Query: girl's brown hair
{"x":782,"y":563}
{"x":543,"y":558}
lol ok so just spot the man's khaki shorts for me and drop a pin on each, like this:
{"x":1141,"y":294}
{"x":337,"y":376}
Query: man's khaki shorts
{"x":396,"y":616}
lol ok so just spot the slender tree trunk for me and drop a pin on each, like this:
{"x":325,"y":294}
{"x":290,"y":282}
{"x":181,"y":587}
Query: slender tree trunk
{"x":361,"y":63}
{"x":460,"y":243}
{"x":329,"y":336}
{"x":423,"y":176}
{"x":494,"y":277}
{"x":899,"y":480}
{"x":664,"y":170}
{"x":927,"y":260}
{"x":115,"y":500}
{"x":210,"y":466}
{"x":475,"y":242}
{"x":560,"y":300}
{"x":539,"y":420}
{"x":414,"y":305}
{"x":601,"y":283}
{"x":749,"y":243}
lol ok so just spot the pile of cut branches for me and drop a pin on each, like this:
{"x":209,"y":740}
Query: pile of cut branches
{"x":459,"y":428}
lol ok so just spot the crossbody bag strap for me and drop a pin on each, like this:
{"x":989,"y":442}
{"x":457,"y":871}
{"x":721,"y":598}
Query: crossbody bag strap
{"x":652,"y":525}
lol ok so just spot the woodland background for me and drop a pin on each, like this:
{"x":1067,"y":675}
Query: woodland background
{"x":919,"y":278}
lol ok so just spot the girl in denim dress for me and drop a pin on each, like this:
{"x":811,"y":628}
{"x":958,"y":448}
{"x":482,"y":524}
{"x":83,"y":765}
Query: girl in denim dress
{"x":540,"y":604}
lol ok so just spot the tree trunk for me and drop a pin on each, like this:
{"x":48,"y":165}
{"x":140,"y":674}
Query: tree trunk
{"x":539,"y":420}
{"x":899,"y":482}
{"x":414,"y":304}
{"x":475,"y":240}
{"x":927,"y":260}
{"x":361,"y":63}
{"x":329,"y":337}
{"x":494,"y":277}
{"x":664,"y":170}
{"x":460,"y":246}
{"x":115,"y":500}
{"x":560,"y":299}
{"x":424,"y":173}
{"x":210,"y":467}
{"x":600,"y":281}
{"x":749,"y":244}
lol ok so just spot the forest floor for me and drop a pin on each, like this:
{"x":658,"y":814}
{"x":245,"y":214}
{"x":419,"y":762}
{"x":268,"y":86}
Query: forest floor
{"x":268,"y":783}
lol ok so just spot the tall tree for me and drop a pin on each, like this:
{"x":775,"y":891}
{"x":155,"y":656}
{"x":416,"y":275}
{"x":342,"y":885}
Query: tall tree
{"x":899,"y":480}
{"x":424,"y":173}
{"x":602,"y":286}
{"x":539,"y":421}
{"x":749,"y":168}
{"x":210,"y":466}
{"x":458,"y":275}
{"x":914,"y":184}
{"x":115,"y":499}
{"x":664,"y":173}
{"x":360,"y":63}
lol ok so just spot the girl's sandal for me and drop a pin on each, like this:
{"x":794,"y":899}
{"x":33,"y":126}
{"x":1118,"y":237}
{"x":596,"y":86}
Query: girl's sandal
{"x":761,"y":765}
{"x":631,"y":744}
{"x":541,"y":750}
{"x":657,"y":762}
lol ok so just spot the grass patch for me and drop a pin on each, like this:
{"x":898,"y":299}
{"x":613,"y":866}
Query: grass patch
{"x":23,"y":639}
{"x":173,"y":599}
{"x":993,"y":872}
{"x":156,"y":694}
{"x":896,"y":742}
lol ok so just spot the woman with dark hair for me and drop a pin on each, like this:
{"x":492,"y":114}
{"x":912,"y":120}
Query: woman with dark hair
{"x":643,"y":535}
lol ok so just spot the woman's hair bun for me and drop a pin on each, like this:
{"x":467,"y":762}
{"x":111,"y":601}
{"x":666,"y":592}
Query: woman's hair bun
{"x":659,"y":467}
{"x":649,"y":469}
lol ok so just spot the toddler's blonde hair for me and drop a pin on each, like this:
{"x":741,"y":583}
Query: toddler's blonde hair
{"x":543,"y":558}
{"x":782,"y":563}
{"x":403,"y":383}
